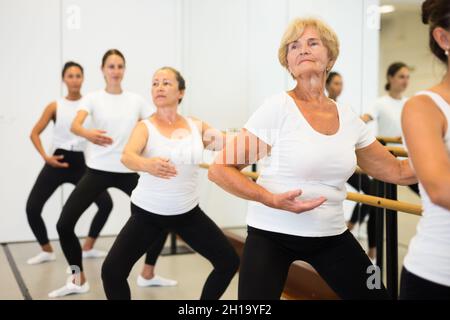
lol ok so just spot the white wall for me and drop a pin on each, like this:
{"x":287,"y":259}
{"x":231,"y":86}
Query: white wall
{"x":398,"y":43}
{"x":227,"y":51}
{"x":30,"y":64}
{"x":148,"y":38}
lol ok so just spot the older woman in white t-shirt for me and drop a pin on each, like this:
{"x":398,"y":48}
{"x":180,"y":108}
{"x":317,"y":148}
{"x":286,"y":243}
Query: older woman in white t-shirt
{"x":312,"y":146}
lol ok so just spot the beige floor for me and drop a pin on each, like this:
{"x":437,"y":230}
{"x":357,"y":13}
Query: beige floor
{"x":190,"y":270}
{"x":9,"y":289}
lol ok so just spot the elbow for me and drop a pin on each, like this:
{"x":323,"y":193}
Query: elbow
{"x":407,"y":175}
{"x":34,"y":134}
{"x":439,"y":196}
{"x":213,"y":172}
{"x":437,"y":191}
{"x":406,"y":182}
{"x":76,"y":128}
{"x":124,"y":159}
{"x":73,"y":129}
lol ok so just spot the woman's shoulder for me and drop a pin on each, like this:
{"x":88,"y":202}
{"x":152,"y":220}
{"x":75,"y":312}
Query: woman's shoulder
{"x":280,"y":98}
{"x":132,"y":94}
{"x":344,"y":107}
{"x":382,"y":100}
{"x":192,"y":119}
{"x":275,"y":103}
{"x":96,"y":93}
{"x":53,"y":105}
{"x":136,"y":98}
{"x":425,"y":107}
{"x":346,"y":111}
{"x":93,"y":95}
{"x":196,"y":122}
{"x":145,"y":123}
{"x":421,"y":99}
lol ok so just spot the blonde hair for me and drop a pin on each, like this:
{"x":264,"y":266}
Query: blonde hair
{"x":296,"y":28}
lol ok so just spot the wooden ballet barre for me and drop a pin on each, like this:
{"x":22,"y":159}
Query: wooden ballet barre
{"x":397,"y":151}
{"x":362,"y":198}
{"x":385,"y":203}
{"x":390,"y":139}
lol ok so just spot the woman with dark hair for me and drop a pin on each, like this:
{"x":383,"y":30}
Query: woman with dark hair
{"x":334,"y":85}
{"x":425,"y":124}
{"x":65,"y":165}
{"x":388,"y":108}
{"x":114,"y":112}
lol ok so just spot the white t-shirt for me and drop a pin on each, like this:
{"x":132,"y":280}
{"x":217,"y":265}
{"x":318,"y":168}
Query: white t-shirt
{"x":179,"y":194}
{"x":387,"y":111}
{"x":302,"y":158}
{"x":429,"y":250}
{"x":63,"y":138}
{"x":117,"y":114}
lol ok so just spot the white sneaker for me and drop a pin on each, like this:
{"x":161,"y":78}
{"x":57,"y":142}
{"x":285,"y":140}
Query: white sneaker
{"x":93,"y":253}
{"x":156,"y":281}
{"x":69,"y":288}
{"x":43,"y":256}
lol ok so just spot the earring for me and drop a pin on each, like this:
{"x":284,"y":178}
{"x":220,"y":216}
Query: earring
{"x":446,"y":52}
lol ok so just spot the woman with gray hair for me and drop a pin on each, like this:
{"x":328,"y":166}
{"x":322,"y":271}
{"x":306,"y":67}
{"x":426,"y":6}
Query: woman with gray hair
{"x":312,"y":146}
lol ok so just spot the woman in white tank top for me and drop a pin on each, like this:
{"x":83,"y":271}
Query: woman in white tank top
{"x":66,"y":165}
{"x":166,"y":149}
{"x":425,"y":124}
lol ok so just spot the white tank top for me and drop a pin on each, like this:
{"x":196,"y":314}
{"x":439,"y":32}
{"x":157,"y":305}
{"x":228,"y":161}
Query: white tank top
{"x":429,"y":251}
{"x":63,"y":138}
{"x":179,"y":194}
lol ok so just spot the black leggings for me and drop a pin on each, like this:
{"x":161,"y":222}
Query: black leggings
{"x":413,"y":287}
{"x":143,"y":227}
{"x":364,"y":183}
{"x":339,"y":260}
{"x":93,"y":183}
{"x":49,"y":180}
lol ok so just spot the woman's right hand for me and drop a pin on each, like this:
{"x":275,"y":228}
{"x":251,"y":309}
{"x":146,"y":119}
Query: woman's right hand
{"x":98,"y":137}
{"x":160,"y":167}
{"x":55,"y":162}
{"x":288,"y":201}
